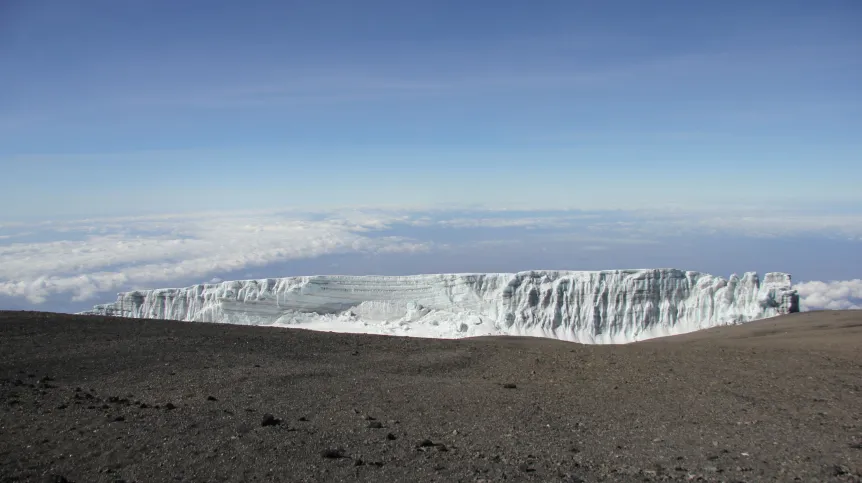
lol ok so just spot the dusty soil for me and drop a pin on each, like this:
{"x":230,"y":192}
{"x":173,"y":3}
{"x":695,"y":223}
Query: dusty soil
{"x":101,"y":399}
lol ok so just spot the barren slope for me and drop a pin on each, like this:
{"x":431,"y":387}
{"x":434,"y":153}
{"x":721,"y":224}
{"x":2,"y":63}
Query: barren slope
{"x":770,"y":400}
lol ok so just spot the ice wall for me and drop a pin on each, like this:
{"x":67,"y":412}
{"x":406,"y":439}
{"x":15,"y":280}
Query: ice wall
{"x":614,"y":306}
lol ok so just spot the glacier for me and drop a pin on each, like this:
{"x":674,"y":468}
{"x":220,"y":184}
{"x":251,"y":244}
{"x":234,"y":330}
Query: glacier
{"x":595,"y":307}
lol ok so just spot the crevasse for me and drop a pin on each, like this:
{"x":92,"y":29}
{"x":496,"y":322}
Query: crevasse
{"x":612,"y":306}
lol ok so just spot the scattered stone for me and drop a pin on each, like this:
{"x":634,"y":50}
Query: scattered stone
{"x":856,"y":445}
{"x":840,"y":470}
{"x":509,"y":385}
{"x":62,"y":406}
{"x":375,"y":425}
{"x":358,"y":462}
{"x":302,"y":419}
{"x":391,"y":437}
{"x":119,"y":419}
{"x":57,"y":479}
{"x":170,"y":406}
{"x":425,"y":443}
{"x":368,"y":417}
{"x":211,"y":398}
{"x":526,"y":468}
{"x":269,"y":420}
{"x":332,"y":453}
{"x":442,"y":448}
{"x":143,"y":406}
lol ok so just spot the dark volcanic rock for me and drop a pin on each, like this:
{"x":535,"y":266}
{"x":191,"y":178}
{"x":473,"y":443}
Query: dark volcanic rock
{"x":269,"y":420}
{"x":333,"y":453}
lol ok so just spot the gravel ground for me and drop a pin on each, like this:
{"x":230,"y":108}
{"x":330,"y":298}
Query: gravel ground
{"x":87,"y":399}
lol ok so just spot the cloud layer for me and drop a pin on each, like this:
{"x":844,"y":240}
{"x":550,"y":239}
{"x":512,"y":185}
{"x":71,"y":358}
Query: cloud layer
{"x":105,"y":255}
{"x":835,"y":295}
{"x":82,"y":259}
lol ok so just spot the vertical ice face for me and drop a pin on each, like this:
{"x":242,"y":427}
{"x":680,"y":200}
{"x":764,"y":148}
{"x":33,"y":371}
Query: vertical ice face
{"x":613,"y":306}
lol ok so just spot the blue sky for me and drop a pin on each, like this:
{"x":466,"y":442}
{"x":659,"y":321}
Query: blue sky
{"x":163,"y":143}
{"x":160,"y":106}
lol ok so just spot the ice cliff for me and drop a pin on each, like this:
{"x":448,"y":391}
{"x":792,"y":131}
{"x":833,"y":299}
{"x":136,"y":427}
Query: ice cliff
{"x":614,"y":306}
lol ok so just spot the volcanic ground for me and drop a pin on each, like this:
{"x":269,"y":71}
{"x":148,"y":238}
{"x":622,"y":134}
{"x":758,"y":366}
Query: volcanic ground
{"x":87,"y":399}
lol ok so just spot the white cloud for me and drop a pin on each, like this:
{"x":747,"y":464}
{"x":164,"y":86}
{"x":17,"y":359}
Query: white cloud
{"x":835,"y":295}
{"x":140,"y":252}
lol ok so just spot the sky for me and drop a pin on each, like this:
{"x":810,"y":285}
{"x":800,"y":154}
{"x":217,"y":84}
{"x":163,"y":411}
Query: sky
{"x":142,"y":143}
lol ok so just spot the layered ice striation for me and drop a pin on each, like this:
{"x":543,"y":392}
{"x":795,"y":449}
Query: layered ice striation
{"x":614,"y":306}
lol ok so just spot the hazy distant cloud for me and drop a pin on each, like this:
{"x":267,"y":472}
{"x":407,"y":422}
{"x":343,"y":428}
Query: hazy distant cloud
{"x":834,"y":295}
{"x":651,"y":223}
{"x":788,"y":224}
{"x":521,"y":221}
{"x":761,"y":224}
